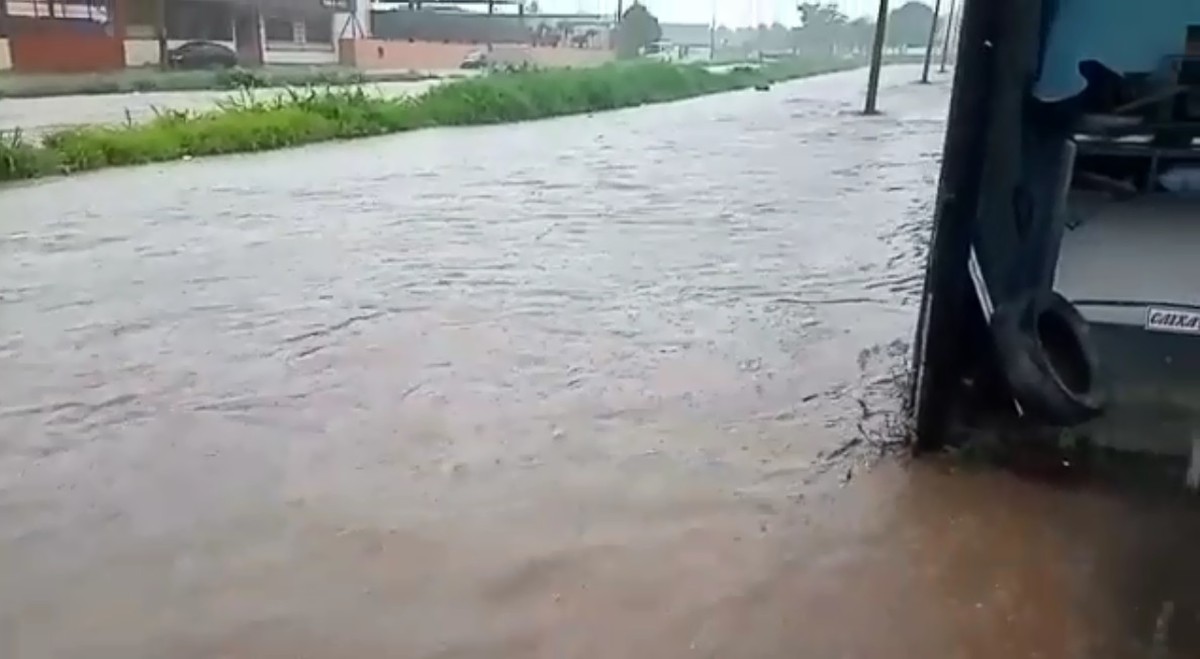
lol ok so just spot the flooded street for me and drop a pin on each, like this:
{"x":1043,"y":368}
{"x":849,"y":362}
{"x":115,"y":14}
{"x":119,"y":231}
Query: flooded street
{"x":606,"y":386}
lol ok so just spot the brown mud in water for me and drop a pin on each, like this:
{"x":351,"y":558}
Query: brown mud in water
{"x":610,"y":386}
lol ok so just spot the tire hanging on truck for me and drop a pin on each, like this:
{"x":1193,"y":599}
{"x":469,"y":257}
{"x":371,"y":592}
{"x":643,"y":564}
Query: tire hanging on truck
{"x":1046,"y":353}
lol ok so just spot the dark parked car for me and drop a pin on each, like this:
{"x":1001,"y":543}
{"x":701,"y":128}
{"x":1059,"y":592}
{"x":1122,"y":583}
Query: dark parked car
{"x":202,"y":55}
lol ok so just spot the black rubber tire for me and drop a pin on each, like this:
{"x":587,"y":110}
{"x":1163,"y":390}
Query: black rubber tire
{"x":1050,"y":363}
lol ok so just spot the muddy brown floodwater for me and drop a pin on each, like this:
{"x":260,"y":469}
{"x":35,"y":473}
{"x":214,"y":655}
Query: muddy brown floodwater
{"x":609,"y":386}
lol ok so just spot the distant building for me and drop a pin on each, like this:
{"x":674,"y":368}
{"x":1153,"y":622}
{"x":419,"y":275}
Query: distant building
{"x":454,"y":25}
{"x":70,"y":36}
{"x":694,"y":40}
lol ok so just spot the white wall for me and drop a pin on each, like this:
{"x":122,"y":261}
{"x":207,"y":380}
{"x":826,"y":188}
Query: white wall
{"x":292,"y":55}
{"x":141,"y":52}
{"x":5,"y":56}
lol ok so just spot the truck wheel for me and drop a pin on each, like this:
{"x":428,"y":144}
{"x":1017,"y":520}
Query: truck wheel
{"x":1047,"y":356}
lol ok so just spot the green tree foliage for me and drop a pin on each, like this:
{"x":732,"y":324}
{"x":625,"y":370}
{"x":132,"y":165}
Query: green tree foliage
{"x":638,"y":29}
{"x":818,"y":14}
{"x":908,"y":25}
{"x":859,"y":33}
{"x":823,"y":29}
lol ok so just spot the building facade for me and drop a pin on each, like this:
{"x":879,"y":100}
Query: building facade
{"x":77,"y":36}
{"x":71,"y":36}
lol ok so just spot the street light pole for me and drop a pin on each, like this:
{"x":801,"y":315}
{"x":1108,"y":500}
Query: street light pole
{"x":937,"y":8}
{"x":946,"y":44}
{"x":876,"y":59}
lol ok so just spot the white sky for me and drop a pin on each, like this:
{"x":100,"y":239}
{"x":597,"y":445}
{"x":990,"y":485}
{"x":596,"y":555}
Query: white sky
{"x":729,"y":12}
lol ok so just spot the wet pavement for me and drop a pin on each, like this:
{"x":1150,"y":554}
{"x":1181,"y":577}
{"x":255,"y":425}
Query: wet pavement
{"x":608,"y":386}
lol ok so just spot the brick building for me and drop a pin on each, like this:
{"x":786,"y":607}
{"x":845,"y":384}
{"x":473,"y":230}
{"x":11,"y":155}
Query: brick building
{"x":67,"y":36}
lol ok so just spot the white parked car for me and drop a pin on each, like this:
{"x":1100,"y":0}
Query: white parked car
{"x":662,"y":51}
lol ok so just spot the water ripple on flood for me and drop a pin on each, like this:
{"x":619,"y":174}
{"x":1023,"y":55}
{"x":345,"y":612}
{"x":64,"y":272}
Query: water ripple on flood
{"x":689,"y":286}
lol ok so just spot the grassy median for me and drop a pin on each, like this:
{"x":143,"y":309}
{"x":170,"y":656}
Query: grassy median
{"x":144,"y":79}
{"x":303,"y":116}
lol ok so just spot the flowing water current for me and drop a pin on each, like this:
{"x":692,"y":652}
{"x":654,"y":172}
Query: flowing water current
{"x":609,"y":386}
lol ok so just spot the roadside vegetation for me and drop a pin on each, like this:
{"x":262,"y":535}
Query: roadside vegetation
{"x":246,"y":123}
{"x":14,"y":85}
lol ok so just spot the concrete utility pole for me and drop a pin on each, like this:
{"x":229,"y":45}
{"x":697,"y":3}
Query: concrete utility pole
{"x":160,"y":32}
{"x":876,"y":59}
{"x":712,"y":33}
{"x":491,"y":12}
{"x":937,"y":8}
{"x":946,"y":44}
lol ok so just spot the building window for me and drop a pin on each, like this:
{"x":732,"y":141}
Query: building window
{"x":140,"y":13}
{"x":95,"y":11}
{"x":199,"y":21}
{"x":319,"y":29}
{"x":280,"y":29}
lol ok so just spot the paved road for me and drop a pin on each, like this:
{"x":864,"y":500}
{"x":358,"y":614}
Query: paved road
{"x":602,"y":386}
{"x":37,"y":115}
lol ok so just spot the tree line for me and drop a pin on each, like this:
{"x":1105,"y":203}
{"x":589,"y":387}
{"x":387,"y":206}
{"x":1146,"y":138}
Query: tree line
{"x":823,"y":30}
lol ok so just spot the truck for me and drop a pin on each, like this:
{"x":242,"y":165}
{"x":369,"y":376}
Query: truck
{"x":1062,"y":287}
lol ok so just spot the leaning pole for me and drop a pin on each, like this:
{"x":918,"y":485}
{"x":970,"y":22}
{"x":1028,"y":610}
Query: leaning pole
{"x":937,"y":8}
{"x":946,"y":44}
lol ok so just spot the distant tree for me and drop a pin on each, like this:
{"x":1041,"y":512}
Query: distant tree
{"x":585,"y":39}
{"x":859,"y":33}
{"x":535,"y":8}
{"x":541,"y":34}
{"x":820,"y":13}
{"x":638,"y":28}
{"x":908,"y":24}
{"x":822,"y":28}
{"x":724,"y":35}
{"x":777,"y":38}
{"x":566,"y":29}
{"x":547,"y":35}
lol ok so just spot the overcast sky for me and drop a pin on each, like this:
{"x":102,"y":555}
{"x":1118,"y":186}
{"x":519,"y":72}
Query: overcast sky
{"x":729,"y":12}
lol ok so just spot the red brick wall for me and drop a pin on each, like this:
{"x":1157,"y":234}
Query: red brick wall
{"x":382,"y":54}
{"x":49,"y":52}
{"x":65,"y":46}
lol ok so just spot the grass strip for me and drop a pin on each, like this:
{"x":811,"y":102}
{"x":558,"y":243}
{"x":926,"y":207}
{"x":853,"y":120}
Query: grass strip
{"x":18,"y":85}
{"x":303,"y":116}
